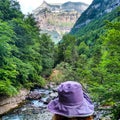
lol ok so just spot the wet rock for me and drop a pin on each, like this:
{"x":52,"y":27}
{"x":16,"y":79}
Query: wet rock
{"x":102,"y":113}
{"x":54,"y":89}
{"x":52,"y":85}
{"x":46,"y":86}
{"x":106,"y":118}
{"x":34,"y":95}
{"x":46,"y":115}
{"x":38,"y":104}
{"x":23,"y":109}
{"x":36,"y":111}
{"x":53,"y":95}
{"x":46,"y":100}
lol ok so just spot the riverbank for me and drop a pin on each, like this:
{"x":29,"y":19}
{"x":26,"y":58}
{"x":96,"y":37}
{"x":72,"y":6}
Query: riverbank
{"x":35,"y":107}
{"x":7,"y":104}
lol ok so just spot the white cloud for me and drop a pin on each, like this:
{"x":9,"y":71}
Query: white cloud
{"x":28,"y":5}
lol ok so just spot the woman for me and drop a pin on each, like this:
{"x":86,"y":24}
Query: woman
{"x":72,"y":103}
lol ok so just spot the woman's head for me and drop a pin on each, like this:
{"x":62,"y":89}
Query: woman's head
{"x":59,"y":117}
{"x":72,"y":101}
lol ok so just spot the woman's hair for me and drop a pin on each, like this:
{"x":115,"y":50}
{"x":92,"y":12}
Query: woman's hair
{"x":59,"y":117}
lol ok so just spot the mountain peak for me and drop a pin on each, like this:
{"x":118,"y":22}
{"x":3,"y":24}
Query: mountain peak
{"x":44,"y":4}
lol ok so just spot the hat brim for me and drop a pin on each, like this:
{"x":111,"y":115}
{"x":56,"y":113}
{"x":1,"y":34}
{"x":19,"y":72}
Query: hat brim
{"x":86,"y":108}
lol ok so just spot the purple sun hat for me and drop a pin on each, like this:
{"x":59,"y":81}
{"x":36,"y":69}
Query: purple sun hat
{"x":71,"y":101}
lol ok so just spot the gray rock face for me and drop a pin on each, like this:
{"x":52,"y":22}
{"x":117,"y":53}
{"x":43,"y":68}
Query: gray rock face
{"x":97,"y":9}
{"x":58,"y":19}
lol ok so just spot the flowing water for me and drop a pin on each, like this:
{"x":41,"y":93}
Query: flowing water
{"x":33,"y":109}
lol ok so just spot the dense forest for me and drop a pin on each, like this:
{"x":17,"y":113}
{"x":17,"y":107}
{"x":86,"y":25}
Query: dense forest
{"x":92,"y":52}
{"x":26,"y":56}
{"x":90,"y":56}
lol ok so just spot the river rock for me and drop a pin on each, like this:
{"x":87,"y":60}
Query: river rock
{"x":7,"y":104}
{"x":46,"y":115}
{"x":34,"y":95}
{"x":53,"y":95}
{"x":46,"y":100}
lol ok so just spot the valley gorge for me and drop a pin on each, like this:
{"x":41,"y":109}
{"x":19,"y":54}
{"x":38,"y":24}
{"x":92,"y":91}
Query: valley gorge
{"x":89,"y":54}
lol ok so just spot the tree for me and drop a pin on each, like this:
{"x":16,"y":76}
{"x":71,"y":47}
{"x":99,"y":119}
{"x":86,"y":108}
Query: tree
{"x":106,"y":73}
{"x":8,"y":67}
{"x":47,"y":54}
{"x":9,"y":9}
{"x":28,"y":56}
{"x":67,"y":49}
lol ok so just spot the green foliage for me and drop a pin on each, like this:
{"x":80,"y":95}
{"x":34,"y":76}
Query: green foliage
{"x":65,"y":72}
{"x":25,"y":55}
{"x":98,"y":58}
{"x":47,"y":54}
{"x":91,"y":56}
{"x":7,"y":65}
{"x":7,"y":89}
{"x":9,"y":9}
{"x":67,"y":50}
{"x":106,"y":73}
{"x":116,"y":111}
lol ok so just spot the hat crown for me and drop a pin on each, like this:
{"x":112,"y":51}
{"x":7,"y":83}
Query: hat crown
{"x":70,"y":93}
{"x":72,"y":101}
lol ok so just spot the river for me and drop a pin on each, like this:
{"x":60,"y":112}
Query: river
{"x":33,"y":109}
{"x":36,"y":109}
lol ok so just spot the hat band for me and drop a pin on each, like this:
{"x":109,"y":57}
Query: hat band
{"x":70,"y":100}
{"x":70,"y":103}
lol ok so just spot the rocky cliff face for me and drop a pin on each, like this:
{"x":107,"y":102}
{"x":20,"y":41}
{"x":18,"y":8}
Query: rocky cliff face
{"x":58,"y":19}
{"x":97,"y":9}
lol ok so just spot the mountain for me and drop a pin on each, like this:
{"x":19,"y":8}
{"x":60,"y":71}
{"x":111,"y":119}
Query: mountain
{"x":95,"y":11}
{"x":58,"y":19}
{"x":77,"y":6}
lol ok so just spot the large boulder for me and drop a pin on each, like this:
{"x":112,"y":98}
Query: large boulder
{"x":34,"y":95}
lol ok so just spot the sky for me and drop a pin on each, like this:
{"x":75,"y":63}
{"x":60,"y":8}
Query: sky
{"x":27,"y":6}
